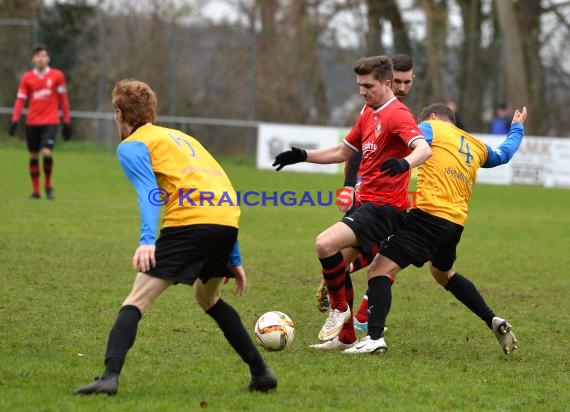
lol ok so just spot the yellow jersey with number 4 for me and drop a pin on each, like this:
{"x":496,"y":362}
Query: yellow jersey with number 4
{"x":445,"y":181}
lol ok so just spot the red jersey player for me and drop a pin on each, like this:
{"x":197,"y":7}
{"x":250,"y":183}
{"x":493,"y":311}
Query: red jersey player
{"x":44,"y":87}
{"x":391,"y":143}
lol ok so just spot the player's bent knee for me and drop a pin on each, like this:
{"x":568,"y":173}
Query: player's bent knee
{"x":206,"y":301}
{"x":441,"y":277}
{"x":324,"y":245}
{"x":145,"y":290}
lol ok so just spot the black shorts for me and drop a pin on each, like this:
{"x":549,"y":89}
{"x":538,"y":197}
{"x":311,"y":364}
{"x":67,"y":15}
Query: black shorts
{"x":41,"y":137}
{"x":186,"y":253}
{"x":371,"y":223}
{"x":421,"y":238}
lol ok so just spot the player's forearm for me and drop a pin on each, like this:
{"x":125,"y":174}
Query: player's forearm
{"x":150,"y":215}
{"x":352,"y":170}
{"x":134,"y":158}
{"x":329,"y":155}
{"x":421,"y":152}
{"x":18,"y":106}
{"x":65,"y":109}
{"x":506,"y":150}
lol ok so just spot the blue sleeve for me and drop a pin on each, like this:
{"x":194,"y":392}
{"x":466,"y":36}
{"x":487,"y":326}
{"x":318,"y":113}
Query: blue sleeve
{"x":135,"y":161}
{"x":506,"y":149}
{"x":427,"y":131}
{"x":235,"y":256}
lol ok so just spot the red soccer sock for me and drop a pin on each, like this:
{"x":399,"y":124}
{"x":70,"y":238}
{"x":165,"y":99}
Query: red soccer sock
{"x":35,"y":175}
{"x":363,"y":259}
{"x":48,"y":166}
{"x":362,"y":313}
{"x":333,"y":273}
{"x":347,"y":333}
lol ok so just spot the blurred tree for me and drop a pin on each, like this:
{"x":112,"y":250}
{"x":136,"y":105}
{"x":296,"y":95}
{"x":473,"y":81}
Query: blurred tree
{"x":393,"y":14}
{"x":291,"y":60}
{"x":374,"y":44}
{"x":18,"y":32}
{"x":435,"y":48}
{"x":518,"y":75}
{"x":66,"y":28}
{"x":470,"y":76}
{"x":290,"y":76}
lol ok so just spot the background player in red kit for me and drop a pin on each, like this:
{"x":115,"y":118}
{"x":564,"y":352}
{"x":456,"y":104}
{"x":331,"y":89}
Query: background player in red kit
{"x":44,"y":87}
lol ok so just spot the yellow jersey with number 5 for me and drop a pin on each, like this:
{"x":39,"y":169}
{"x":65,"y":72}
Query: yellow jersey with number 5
{"x":171,"y":169}
{"x":445,"y":181}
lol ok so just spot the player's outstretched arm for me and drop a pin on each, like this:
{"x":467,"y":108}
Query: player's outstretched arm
{"x":328,"y":155}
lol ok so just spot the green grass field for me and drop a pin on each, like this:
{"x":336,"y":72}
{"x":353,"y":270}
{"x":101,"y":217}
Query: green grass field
{"x":65,"y":269}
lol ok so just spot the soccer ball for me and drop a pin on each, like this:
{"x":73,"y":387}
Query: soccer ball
{"x":274,"y":330}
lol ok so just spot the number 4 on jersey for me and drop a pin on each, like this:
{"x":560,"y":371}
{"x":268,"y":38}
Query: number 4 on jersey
{"x":465,"y":151}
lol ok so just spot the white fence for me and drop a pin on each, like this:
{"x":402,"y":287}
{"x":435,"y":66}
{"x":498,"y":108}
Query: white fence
{"x":218,"y":134}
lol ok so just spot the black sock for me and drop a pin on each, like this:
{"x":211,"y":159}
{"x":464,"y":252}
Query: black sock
{"x":466,"y":292}
{"x":121,"y":339}
{"x":379,"y":303}
{"x":231,"y":325}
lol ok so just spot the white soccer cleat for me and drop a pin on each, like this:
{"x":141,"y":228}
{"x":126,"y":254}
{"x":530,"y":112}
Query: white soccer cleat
{"x":504,"y":333}
{"x":333,"y":324}
{"x":334,"y":345}
{"x":368,"y":345}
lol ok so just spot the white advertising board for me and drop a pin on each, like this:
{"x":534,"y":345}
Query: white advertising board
{"x":275,"y":138}
{"x":541,"y":161}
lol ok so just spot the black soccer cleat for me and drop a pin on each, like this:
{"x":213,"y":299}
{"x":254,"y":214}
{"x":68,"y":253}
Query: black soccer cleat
{"x":264,"y":382}
{"x":49,"y":194}
{"x":34,"y":196}
{"x":99,"y":385}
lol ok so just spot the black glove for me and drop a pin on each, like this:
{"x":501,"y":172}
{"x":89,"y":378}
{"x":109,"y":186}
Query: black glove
{"x":394,"y":166}
{"x":295,"y":155}
{"x":12,"y":130}
{"x":66,"y":131}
